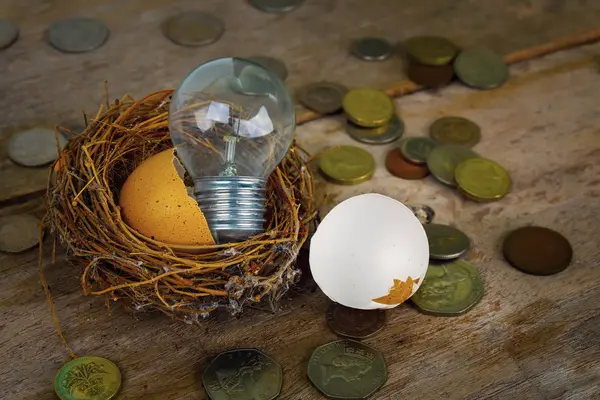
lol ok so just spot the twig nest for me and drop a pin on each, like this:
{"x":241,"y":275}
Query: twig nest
{"x":185,"y":282}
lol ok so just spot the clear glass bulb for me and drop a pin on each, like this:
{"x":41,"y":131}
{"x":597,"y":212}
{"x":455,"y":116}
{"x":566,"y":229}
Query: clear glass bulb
{"x":232,"y":121}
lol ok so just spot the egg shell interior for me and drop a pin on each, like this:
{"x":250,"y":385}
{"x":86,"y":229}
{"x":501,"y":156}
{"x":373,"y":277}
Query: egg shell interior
{"x":364,"y":247}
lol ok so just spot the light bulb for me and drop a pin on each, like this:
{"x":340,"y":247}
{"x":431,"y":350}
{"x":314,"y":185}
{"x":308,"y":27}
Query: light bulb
{"x":232,"y":121}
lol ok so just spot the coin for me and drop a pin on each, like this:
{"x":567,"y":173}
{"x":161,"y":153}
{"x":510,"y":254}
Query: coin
{"x":456,"y":130}
{"x":243,"y":374}
{"x":35,"y":147}
{"x":276,"y":6}
{"x":449,"y":289}
{"x":347,"y":165}
{"x":88,"y":378}
{"x":537,"y":251}
{"x":416,"y":149}
{"x":9,"y":33}
{"x":353,"y":323}
{"x":369,"y":108}
{"x":272,"y":64}
{"x":372,"y":48}
{"x":431,"y":50}
{"x":193,"y":28}
{"x":18,"y":233}
{"x":393,"y":132}
{"x":424,"y":214}
{"x":443,"y":159}
{"x":431,"y":76}
{"x":398,"y":166}
{"x":445,"y":242}
{"x":481,"y":68}
{"x":481,"y":179}
{"x":347,"y":369}
{"x":77,"y":35}
{"x":322,"y":97}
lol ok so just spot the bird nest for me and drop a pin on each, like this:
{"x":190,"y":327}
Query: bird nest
{"x":121,"y":264}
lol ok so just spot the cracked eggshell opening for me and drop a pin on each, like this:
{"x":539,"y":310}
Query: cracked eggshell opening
{"x":155,"y":203}
{"x":369,"y":252}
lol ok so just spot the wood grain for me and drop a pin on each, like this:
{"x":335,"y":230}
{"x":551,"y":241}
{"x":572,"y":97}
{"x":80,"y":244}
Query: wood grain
{"x":529,"y":338}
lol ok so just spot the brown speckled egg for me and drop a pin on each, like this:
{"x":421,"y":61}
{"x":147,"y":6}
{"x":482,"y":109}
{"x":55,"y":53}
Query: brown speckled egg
{"x":154,"y":201}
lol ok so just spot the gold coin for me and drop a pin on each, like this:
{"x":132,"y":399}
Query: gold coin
{"x":481,"y":179}
{"x":88,"y":378}
{"x":368,"y":108}
{"x":431,"y":50}
{"x":347,"y":165}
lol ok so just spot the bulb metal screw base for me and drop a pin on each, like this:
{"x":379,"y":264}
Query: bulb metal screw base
{"x":234,"y":207}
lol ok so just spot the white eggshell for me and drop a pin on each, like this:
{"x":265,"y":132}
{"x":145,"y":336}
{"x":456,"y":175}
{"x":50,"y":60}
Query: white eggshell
{"x":362,"y":245}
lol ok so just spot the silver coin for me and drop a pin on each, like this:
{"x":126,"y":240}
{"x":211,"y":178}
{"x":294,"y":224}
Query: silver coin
{"x":18,"y":233}
{"x":276,"y":6}
{"x":35,"y":147}
{"x":417,"y":149}
{"x":372,"y":48}
{"x":77,"y":35}
{"x":445,"y":241}
{"x":424,"y":214}
{"x":394,"y":131}
{"x":322,"y":97}
{"x":193,"y":28}
{"x":272,"y":64}
{"x":9,"y":33}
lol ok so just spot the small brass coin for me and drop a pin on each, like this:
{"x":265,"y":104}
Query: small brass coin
{"x":537,"y":251}
{"x":353,"y":323}
{"x":417,"y":149}
{"x":481,"y":68}
{"x":443,"y":160}
{"x":323,"y":97}
{"x":445,"y":241}
{"x":392,"y":132}
{"x":88,"y":378}
{"x":449,"y":289}
{"x":243,"y":374}
{"x":368,"y":108}
{"x":481,"y":179}
{"x":276,"y":6}
{"x":372,"y":49}
{"x":347,"y":369}
{"x":455,"y":130}
{"x":431,"y":50}
{"x":193,"y":28}
{"x":347,"y":165}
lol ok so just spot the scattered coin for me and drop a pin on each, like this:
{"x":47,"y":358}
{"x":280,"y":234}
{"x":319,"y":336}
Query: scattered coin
{"x":372,"y":48}
{"x":416,"y":149}
{"x":431,"y":50}
{"x":398,"y":166}
{"x":18,"y":233}
{"x":9,"y":33}
{"x":272,"y":64}
{"x":77,"y":35}
{"x":35,"y":147}
{"x":443,"y":160}
{"x":537,"y":251}
{"x":347,"y":369}
{"x":424,"y":214}
{"x":369,"y":108}
{"x":353,"y":323}
{"x":445,"y":242}
{"x":481,"y":68}
{"x":193,"y":28}
{"x":347,"y":165}
{"x":456,"y":130}
{"x":394,"y":131}
{"x":88,"y":378}
{"x":431,"y":76}
{"x":481,"y":179}
{"x":322,"y":97}
{"x":449,"y":289}
{"x":243,"y":374}
{"x":276,"y":6}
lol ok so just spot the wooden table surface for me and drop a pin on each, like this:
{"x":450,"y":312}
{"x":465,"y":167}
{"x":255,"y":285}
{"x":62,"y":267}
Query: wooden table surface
{"x":529,"y":338}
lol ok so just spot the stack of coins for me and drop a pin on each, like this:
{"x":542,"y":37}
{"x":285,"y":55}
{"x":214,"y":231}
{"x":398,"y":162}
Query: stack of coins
{"x":429,"y":60}
{"x":452,"y":286}
{"x":408,"y":160}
